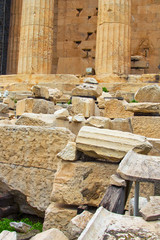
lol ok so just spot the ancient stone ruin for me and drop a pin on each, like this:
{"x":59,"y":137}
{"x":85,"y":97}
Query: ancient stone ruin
{"x":80,"y":119}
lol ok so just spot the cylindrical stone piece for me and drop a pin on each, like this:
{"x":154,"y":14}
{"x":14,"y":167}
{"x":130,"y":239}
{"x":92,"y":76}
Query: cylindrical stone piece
{"x":36,"y":37}
{"x":113,"y":37}
{"x":14,"y":35}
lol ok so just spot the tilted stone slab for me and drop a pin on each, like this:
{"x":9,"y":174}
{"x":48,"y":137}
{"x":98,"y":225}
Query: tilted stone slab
{"x":138,"y":167}
{"x":106,"y":225}
{"x":108,"y":144}
{"x":151,"y":211}
{"x":143,"y":107}
{"x":28,"y":160}
{"x":87,"y":90}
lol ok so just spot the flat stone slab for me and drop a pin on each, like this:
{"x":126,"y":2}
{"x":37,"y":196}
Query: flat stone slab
{"x":151,"y":211}
{"x":106,"y":225}
{"x":138,"y":167}
{"x":143,"y":107}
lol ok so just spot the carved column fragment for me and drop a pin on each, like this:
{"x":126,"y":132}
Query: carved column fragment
{"x":14,"y":35}
{"x":36,"y":37}
{"x":113,"y":37}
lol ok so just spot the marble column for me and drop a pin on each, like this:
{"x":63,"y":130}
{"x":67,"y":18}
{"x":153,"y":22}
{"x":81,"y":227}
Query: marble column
{"x":36,"y":37}
{"x":113,"y":37}
{"x":14,"y":35}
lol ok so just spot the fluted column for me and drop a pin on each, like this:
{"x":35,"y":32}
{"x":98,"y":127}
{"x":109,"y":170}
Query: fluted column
{"x":36,"y":37}
{"x":113,"y":37}
{"x":14,"y":35}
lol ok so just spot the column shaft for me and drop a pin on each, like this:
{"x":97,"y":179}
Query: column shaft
{"x":14,"y":35}
{"x":113,"y":37}
{"x":36,"y":37}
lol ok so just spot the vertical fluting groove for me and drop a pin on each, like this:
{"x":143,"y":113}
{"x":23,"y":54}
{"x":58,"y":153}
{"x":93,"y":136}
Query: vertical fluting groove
{"x":36,"y":36}
{"x":113,"y":37}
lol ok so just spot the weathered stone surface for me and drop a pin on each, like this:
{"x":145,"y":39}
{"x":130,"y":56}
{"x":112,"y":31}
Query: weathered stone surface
{"x":31,"y":105}
{"x":156,"y":146}
{"x":87,"y":90}
{"x":78,"y":118}
{"x":99,"y":122}
{"x":107,"y":225}
{"x":139,"y":167}
{"x":62,"y":114}
{"x":6,"y":235}
{"x":150,"y":93}
{"x":90,"y":80}
{"x":151,"y":211}
{"x":143,"y":107}
{"x":20,"y":227}
{"x":46,"y":92}
{"x":78,"y":224}
{"x":116,"y":109}
{"x":58,"y":217}
{"x":32,"y":119}
{"x":142,"y":202}
{"x":69,"y":152}
{"x":103,"y":99}
{"x":116,"y":180}
{"x":51,"y":234}
{"x":29,"y":168}
{"x":79,"y":183}
{"x":4,"y":108}
{"x":146,"y":126}
{"x":109,"y":145}
{"x":85,"y":106}
{"x":121,"y":124}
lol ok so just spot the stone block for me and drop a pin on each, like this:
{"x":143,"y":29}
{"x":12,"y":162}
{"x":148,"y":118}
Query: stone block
{"x":85,"y":106}
{"x":150,"y":93}
{"x":52,"y":233}
{"x":151,"y":211}
{"x":87,"y":90}
{"x":143,"y":107}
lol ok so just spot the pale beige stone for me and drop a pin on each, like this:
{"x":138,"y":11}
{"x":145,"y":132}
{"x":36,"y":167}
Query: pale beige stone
{"x":47,"y":93}
{"x":62,"y":114}
{"x":79,"y":183}
{"x":121,"y":124}
{"x":140,"y":167}
{"x":87,"y":90}
{"x":85,"y":106}
{"x":103,"y":99}
{"x":142,"y":202}
{"x":143,"y":107}
{"x":29,"y":161}
{"x":30,"y":105}
{"x":57,"y":216}
{"x":105,"y":224}
{"x":150,"y":93}
{"x":78,"y":118}
{"x":151,"y":211}
{"x":69,"y":152}
{"x":32,"y":119}
{"x":51,"y":234}
{"x":6,"y":235}
{"x":147,"y":126}
{"x":99,"y":122}
{"x":156,"y":146}
{"x":115,"y":108}
{"x":116,"y":180}
{"x":4,"y":108}
{"x":109,"y":145}
{"x":90,"y":80}
{"x":78,"y":224}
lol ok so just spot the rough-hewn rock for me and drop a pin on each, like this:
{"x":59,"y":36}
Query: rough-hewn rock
{"x":4,"y":108}
{"x":121,"y":124}
{"x":32,"y":119}
{"x":58,"y":217}
{"x":99,"y":122}
{"x":107,"y":225}
{"x":46,"y":92}
{"x":150,"y":93}
{"x":69,"y":152}
{"x":62,"y":114}
{"x":29,"y":168}
{"x":90,"y":80}
{"x":85,"y":106}
{"x":109,"y":144}
{"x":79,"y":183}
{"x":103,"y":99}
{"x":51,"y":234}
{"x":87,"y":90}
{"x":116,"y":109}
{"x":20,"y":227}
{"x":30,"y":105}
{"x":116,"y":180}
{"x":151,"y":211}
{"x":6,"y":235}
{"x":143,"y":107}
{"x":140,"y":167}
{"x":78,"y":118}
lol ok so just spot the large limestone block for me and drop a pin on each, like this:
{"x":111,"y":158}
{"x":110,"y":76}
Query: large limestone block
{"x":138,"y":167}
{"x":103,"y":99}
{"x":87,"y":90}
{"x":151,"y":211}
{"x":143,"y":107}
{"x":79,"y":183}
{"x":51,"y":234}
{"x":29,"y":160}
{"x":33,"y":119}
{"x":108,"y":225}
{"x":109,"y":145}
{"x":30,"y":105}
{"x":116,"y":109}
{"x":146,"y":126}
{"x":4,"y":108}
{"x":46,"y":92}
{"x":85,"y":106}
{"x":6,"y":235}
{"x":57,"y":216}
{"x":99,"y":122}
{"x":150,"y":93}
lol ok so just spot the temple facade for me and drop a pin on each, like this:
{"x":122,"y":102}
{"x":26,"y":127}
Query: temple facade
{"x":68,"y":36}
